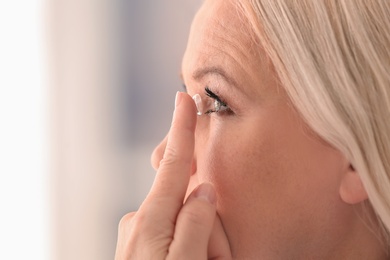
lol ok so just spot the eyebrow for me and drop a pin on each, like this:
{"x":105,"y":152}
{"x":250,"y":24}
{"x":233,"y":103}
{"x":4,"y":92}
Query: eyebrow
{"x":202,"y":72}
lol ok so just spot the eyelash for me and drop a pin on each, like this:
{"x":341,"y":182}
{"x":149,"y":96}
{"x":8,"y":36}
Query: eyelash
{"x":223,"y":106}
{"x":220,"y":106}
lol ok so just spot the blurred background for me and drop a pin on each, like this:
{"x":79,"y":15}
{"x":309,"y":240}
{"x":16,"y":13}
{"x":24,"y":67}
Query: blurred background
{"x":87,"y":92}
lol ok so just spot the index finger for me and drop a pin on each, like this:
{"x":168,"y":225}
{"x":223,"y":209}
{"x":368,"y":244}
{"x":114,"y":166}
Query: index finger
{"x":171,"y":181}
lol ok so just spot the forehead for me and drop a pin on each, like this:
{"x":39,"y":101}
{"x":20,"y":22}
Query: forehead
{"x":221,"y":18}
{"x":220,"y":25}
{"x":222,"y":37}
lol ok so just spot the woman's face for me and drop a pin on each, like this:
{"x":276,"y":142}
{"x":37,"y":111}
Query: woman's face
{"x":277,"y":182}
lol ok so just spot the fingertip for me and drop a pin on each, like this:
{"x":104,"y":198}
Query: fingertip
{"x":178,"y":98}
{"x":194,"y":224}
{"x":189,"y":110}
{"x":206,"y":191}
{"x":181,"y":138}
{"x":174,"y":158}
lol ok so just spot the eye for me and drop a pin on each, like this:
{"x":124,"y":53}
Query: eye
{"x":218,"y":105}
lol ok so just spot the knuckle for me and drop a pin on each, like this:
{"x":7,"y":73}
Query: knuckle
{"x":134,"y":227}
{"x":146,"y":224}
{"x":171,"y":154}
{"x":158,"y":153}
{"x":140,"y":220}
{"x":126,"y":220}
{"x":167,"y":161}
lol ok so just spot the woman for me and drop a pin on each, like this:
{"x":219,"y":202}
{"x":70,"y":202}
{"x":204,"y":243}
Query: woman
{"x":292,"y":158}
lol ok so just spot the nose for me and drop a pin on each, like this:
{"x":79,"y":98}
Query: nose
{"x":158,"y":154}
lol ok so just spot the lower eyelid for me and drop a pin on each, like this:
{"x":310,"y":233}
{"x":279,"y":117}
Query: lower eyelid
{"x":225,"y":107}
{"x":223,"y":111}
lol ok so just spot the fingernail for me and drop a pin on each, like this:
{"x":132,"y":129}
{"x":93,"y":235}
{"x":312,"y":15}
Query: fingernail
{"x":178,"y":98}
{"x":206,"y":192}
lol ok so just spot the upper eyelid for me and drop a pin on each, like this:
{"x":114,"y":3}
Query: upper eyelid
{"x":212,"y":95}
{"x":209,"y":93}
{"x":216,"y":98}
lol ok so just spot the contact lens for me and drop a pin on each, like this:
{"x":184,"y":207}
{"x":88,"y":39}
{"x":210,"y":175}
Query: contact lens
{"x":208,"y":105}
{"x":199,"y":105}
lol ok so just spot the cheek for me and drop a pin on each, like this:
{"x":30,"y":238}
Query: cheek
{"x":244,"y":165}
{"x":242,"y":162}
{"x":268,"y":177}
{"x":276,"y":160}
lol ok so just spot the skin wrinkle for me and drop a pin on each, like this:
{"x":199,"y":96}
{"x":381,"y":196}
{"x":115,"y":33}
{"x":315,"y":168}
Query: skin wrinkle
{"x":236,"y":51}
{"x":234,"y":64}
{"x":276,"y":181}
{"x":283,"y":192}
{"x":218,"y":71}
{"x":237,"y":54}
{"x":227,"y":54}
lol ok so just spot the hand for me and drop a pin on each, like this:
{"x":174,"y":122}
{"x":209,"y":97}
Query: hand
{"x":164,"y":228}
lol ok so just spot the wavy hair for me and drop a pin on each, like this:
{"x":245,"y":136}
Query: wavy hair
{"x":333,"y":59}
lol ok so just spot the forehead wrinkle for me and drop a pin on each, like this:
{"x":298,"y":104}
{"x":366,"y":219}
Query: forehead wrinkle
{"x":228,"y":41}
{"x":222,"y":36}
{"x":232,"y":40}
{"x":227,"y":29}
{"x":232,"y":56}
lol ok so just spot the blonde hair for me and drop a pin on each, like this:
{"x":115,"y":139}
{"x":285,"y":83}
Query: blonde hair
{"x":333,"y":59}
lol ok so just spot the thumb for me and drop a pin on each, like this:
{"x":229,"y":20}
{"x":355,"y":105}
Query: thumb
{"x":219,"y":248}
{"x":194,"y":225}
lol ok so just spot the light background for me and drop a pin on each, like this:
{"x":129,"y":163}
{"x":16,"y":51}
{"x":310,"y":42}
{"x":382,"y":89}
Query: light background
{"x":24,"y":209}
{"x":115,"y":71}
{"x":114,"y":67}
{"x":86,"y":92}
